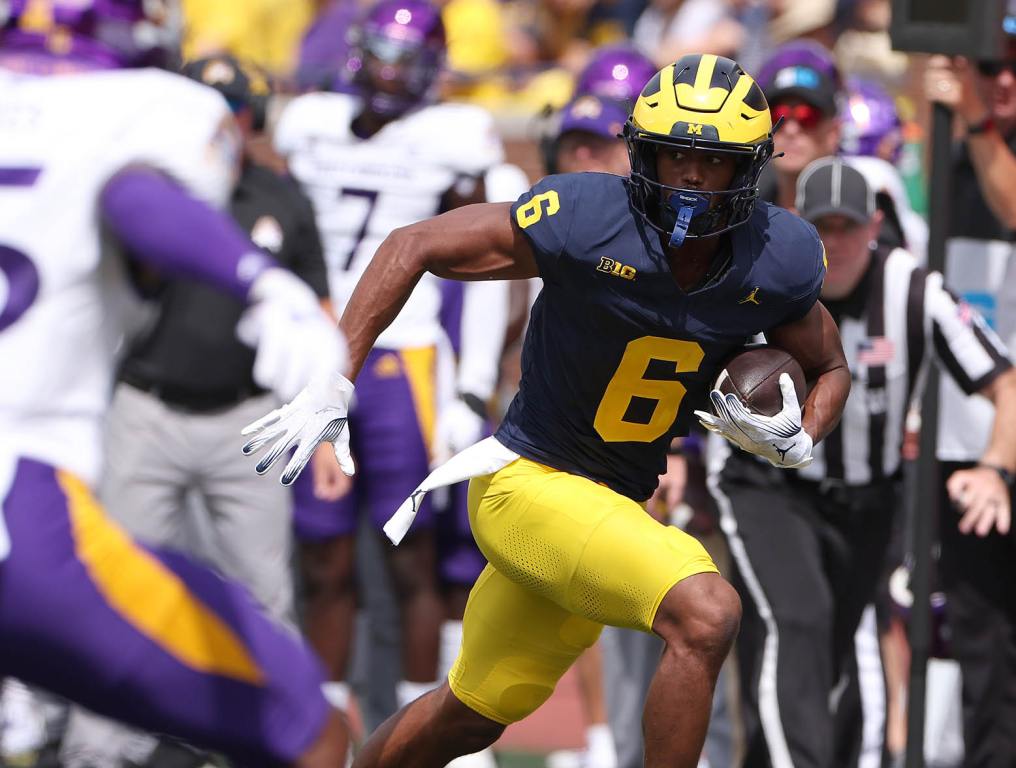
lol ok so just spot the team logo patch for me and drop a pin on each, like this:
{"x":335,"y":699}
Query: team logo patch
{"x":388,"y":366}
{"x":751,"y":298}
{"x":267,"y":233}
{"x":616,"y":268}
{"x":695,"y":128}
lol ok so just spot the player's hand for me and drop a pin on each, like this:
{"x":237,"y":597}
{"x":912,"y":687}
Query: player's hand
{"x":317,"y":415}
{"x":982,"y":498}
{"x":780,"y":439}
{"x":294,"y":338}
{"x":330,"y":482}
{"x":670,"y":491}
{"x":458,"y":427}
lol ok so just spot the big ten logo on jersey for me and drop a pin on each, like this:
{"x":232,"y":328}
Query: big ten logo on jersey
{"x":616,"y":268}
{"x":546,"y":202}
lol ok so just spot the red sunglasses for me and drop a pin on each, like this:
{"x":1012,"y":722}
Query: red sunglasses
{"x":805,"y":115}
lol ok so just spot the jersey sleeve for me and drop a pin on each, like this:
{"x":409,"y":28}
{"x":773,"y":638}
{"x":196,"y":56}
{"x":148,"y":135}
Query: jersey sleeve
{"x":466,"y":138}
{"x":185,"y":130}
{"x":804,"y":272}
{"x":970,"y":350}
{"x":544,"y":215}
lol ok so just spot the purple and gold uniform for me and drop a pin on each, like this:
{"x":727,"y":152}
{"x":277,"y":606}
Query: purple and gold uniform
{"x":143,"y":636}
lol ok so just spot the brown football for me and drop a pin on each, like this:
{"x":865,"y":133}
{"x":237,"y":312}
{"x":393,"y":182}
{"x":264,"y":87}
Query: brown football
{"x":754,"y":376}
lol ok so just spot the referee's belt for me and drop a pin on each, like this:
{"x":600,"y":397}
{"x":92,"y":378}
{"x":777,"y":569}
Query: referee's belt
{"x":183,"y":399}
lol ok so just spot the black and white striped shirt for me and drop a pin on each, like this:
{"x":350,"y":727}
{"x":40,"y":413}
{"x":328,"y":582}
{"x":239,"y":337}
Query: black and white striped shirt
{"x":886,"y":342}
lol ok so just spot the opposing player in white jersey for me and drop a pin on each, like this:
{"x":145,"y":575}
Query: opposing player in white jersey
{"x":94,"y":160}
{"x":372,"y":159}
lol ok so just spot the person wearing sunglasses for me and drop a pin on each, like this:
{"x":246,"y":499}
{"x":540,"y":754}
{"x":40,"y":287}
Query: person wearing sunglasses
{"x":802,"y":85}
{"x":977,"y":571}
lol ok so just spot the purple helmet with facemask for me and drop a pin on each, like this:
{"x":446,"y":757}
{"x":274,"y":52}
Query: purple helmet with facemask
{"x":87,"y":33}
{"x":618,"y":72}
{"x":871,"y":124}
{"x":397,"y":53}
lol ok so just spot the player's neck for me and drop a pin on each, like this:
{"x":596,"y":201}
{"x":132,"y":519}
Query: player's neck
{"x":692,"y":262}
{"x":368,"y":123}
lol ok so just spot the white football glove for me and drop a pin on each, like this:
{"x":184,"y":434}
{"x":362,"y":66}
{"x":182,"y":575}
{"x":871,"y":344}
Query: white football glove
{"x":317,"y":415}
{"x":295,"y":340}
{"x":458,"y":427}
{"x":780,"y":439}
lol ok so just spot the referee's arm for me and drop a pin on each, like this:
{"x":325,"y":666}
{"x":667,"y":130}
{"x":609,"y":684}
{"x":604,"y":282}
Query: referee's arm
{"x":979,"y":362}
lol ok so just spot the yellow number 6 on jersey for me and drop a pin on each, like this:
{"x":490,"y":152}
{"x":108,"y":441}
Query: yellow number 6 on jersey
{"x":532,"y":212}
{"x":628,"y":382}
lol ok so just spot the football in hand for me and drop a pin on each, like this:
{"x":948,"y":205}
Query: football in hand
{"x":754,"y":376}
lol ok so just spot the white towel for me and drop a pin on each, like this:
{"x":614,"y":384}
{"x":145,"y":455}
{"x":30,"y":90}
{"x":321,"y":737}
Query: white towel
{"x":482,"y":458}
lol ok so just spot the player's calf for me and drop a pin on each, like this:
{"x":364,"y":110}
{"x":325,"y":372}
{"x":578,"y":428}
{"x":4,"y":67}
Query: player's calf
{"x":429,"y":733}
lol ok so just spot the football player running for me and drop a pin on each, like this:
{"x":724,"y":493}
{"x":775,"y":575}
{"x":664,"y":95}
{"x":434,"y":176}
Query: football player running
{"x":643,"y":285}
{"x":376,"y":157}
{"x":96,"y":153}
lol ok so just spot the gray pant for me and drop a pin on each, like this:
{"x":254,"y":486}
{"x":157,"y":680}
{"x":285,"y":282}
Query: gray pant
{"x":178,"y":480}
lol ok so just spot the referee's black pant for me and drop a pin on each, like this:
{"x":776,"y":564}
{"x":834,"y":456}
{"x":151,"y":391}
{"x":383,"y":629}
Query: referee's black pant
{"x":807,"y":561}
{"x":979,"y":580}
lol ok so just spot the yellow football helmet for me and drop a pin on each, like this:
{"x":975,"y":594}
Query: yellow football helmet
{"x":700,"y":102}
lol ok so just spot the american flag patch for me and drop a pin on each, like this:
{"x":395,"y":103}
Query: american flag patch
{"x":876,"y":350}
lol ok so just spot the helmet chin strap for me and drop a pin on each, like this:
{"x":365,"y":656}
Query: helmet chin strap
{"x":688,"y":205}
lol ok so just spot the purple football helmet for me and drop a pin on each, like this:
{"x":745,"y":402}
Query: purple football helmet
{"x":88,"y":33}
{"x":871,"y":124}
{"x":397,"y":53}
{"x":618,"y":72}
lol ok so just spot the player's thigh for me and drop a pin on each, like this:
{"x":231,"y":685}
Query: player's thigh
{"x":516,"y":645}
{"x":394,"y":429}
{"x":579,"y":544}
{"x":146,"y":467}
{"x":143,"y":636}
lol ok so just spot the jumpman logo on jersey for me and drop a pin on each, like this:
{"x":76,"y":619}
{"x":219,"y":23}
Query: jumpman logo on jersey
{"x":751,"y":298}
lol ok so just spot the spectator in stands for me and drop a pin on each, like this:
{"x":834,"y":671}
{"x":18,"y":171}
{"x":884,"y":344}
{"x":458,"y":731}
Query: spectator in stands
{"x":802,"y":85}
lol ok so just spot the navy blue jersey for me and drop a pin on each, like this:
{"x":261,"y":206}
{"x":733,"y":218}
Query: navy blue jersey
{"x":617,"y":357}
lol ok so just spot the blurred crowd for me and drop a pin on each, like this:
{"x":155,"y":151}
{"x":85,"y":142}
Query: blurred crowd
{"x":558,"y":78}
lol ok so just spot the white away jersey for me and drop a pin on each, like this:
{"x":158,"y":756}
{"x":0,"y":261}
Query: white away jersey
{"x":61,"y":138}
{"x":363,"y":189}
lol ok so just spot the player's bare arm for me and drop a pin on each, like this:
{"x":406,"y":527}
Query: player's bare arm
{"x":476,"y":242}
{"x":814,"y":342}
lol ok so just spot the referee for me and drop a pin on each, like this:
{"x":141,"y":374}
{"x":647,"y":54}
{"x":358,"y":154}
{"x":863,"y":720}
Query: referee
{"x":809,"y":546}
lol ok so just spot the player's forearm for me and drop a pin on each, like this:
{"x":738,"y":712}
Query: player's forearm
{"x":824,"y":406}
{"x":165,"y":228}
{"x":380,"y":294}
{"x":995,"y":165}
{"x":1001,"y":450}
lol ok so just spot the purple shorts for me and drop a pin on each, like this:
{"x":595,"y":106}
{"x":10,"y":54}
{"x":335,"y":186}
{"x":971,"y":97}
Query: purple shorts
{"x":145,"y":636}
{"x":391,"y":427}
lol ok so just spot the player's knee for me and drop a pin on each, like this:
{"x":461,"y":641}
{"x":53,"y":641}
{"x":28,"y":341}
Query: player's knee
{"x":326,"y":575}
{"x":701,"y":614}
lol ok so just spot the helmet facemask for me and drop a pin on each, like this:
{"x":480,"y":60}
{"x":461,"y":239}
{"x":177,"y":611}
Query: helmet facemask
{"x":682,"y":213}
